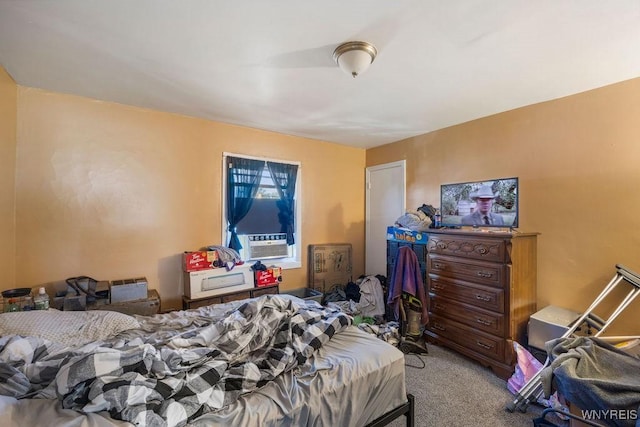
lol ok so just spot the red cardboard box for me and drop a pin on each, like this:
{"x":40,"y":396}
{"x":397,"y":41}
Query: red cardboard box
{"x":268,"y":277}
{"x":199,"y":260}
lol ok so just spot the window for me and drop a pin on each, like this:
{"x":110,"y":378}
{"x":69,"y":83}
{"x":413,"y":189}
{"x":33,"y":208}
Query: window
{"x":260,"y":213}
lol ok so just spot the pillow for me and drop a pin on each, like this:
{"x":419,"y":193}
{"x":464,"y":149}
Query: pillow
{"x":70,"y":328}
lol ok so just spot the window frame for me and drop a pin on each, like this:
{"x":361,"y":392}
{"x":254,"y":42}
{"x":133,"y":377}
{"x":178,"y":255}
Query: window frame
{"x":285,"y":263}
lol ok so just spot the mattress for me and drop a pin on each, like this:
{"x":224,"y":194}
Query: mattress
{"x":350,"y":381}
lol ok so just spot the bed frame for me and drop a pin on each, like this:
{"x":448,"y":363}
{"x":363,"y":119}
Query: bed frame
{"x":407,"y":410}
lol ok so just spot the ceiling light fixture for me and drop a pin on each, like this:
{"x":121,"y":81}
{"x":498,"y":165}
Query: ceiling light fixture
{"x":355,"y":57}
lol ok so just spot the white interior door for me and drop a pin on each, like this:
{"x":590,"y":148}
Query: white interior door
{"x":385,"y":200}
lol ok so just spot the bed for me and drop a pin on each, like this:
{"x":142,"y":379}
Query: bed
{"x":270,"y":361}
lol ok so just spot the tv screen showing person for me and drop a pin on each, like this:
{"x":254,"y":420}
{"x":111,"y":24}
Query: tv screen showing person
{"x":483,"y":215}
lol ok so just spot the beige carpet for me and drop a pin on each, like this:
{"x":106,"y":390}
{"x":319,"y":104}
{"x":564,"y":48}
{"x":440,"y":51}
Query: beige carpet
{"x":452,"y":390}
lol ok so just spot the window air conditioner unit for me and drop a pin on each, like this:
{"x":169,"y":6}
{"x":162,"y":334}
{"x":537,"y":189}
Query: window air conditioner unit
{"x":264,"y":246}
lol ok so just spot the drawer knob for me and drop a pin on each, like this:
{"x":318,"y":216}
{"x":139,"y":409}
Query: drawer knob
{"x":483,"y":321}
{"x":438,"y":327}
{"x":441,"y":245}
{"x":484,"y":274}
{"x":483,"y":345}
{"x":440,"y":306}
{"x":483,"y":298}
{"x":439,"y":266}
{"x":437,"y":286}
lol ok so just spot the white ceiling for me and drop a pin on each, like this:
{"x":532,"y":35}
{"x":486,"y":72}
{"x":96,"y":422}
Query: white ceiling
{"x":268,"y":64}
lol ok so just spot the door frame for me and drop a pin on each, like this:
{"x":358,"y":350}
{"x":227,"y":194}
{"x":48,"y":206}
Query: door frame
{"x":368,"y":239}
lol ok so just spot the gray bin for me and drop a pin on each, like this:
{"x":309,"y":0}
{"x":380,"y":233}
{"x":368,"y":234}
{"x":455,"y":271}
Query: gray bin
{"x":306,"y":293}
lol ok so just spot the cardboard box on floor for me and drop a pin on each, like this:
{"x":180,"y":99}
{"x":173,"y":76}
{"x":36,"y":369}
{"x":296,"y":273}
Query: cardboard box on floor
{"x":329,"y":265}
{"x":148,"y":306}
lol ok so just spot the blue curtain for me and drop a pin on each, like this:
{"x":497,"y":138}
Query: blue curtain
{"x":284,"y":177}
{"x":243,"y":181}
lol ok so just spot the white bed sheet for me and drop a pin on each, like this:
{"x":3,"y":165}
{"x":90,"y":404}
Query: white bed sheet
{"x":352,"y":380}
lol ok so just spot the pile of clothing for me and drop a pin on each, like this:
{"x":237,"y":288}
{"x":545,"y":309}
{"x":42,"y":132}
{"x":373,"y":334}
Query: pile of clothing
{"x":420,"y":219}
{"x":363,"y":299}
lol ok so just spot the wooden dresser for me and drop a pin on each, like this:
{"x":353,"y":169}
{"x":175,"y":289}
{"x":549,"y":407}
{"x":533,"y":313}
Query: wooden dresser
{"x":188,"y":303}
{"x":482,"y":290}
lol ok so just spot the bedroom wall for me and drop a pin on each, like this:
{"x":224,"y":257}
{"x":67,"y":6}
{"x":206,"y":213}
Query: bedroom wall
{"x":112,"y":191}
{"x":8,"y":109}
{"x":578,"y":163}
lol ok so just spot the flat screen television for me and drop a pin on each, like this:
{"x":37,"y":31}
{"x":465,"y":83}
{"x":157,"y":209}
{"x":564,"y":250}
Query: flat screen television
{"x":490,"y":203}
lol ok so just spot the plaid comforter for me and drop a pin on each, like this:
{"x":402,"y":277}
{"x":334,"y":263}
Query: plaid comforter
{"x":177,"y":366}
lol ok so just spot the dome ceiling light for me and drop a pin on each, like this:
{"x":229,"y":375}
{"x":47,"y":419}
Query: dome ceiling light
{"x":355,"y":57}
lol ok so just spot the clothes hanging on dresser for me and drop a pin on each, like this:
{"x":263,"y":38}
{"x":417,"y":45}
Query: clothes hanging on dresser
{"x":406,"y":277}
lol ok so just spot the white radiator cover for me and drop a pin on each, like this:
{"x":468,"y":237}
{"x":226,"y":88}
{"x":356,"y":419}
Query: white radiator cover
{"x":217,"y":281}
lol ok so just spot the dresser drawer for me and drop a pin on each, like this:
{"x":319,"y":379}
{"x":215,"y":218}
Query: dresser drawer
{"x":467,"y":269}
{"x":264,"y":291}
{"x":486,"y":249}
{"x":236,"y":296}
{"x":484,"y":320}
{"x":202,"y":302}
{"x":467,"y":337}
{"x":486,"y":297}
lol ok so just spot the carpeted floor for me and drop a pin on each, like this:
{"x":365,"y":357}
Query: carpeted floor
{"x":452,"y":390}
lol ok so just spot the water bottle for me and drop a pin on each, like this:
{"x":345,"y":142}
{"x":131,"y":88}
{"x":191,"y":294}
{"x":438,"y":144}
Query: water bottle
{"x":11,"y":306}
{"x":41,"y":301}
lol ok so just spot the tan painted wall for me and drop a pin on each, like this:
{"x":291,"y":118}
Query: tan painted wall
{"x":111,"y":191}
{"x":578,"y":160}
{"x":8,"y":111}
{"x":114,"y":191}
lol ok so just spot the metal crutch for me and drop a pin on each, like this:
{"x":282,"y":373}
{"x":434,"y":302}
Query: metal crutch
{"x":533,"y":389}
